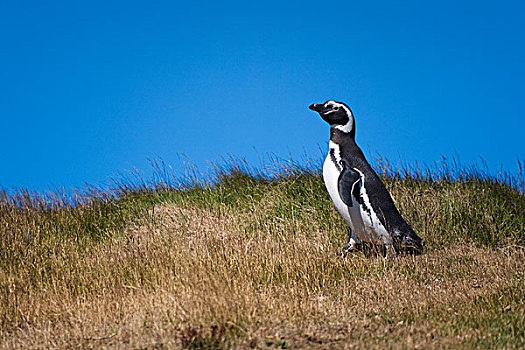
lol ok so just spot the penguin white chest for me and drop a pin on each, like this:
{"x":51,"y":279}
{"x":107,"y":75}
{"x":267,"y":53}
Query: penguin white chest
{"x":363,"y":222}
{"x":331,"y":171}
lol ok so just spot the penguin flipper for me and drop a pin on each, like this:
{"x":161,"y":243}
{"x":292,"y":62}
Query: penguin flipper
{"x":348,"y":179}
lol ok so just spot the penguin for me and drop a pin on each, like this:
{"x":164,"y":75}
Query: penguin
{"x":358,"y":193}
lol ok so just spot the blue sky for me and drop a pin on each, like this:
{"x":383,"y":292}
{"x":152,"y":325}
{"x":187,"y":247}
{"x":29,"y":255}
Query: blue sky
{"x":89,"y":89}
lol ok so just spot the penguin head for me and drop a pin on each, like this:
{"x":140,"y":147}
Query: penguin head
{"x":337,"y":114}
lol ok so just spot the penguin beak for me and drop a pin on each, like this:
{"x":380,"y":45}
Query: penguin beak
{"x":316,"y":107}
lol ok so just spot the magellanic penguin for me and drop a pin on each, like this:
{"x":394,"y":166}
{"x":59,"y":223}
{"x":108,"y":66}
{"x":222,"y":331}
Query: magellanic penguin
{"x":357,"y":192}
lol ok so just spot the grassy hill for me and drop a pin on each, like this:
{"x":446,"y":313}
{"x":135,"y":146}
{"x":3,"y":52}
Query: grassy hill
{"x":249,"y":261}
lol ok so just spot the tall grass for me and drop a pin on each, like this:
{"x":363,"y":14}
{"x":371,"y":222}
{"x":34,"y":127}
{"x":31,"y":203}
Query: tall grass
{"x":244,"y":257}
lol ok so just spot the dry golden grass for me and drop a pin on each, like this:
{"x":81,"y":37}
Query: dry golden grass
{"x":211,"y":268}
{"x":195,"y":278}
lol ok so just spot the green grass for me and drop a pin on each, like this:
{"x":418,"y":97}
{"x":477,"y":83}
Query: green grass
{"x":248,"y":260}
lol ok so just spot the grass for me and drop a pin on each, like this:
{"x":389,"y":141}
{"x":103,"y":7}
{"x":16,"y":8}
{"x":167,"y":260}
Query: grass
{"x":247,"y":261}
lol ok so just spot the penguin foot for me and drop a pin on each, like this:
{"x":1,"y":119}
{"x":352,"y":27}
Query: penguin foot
{"x":350,"y":248}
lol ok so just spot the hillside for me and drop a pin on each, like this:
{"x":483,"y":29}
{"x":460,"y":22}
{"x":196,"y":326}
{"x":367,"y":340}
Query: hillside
{"x":249,"y":262}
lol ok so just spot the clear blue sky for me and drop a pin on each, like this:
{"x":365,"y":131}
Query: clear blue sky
{"x":88,"y":89}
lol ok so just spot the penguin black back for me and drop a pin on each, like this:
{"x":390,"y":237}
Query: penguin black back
{"x":380,"y":199}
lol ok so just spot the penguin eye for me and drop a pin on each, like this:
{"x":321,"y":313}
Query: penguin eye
{"x":336,"y":108}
